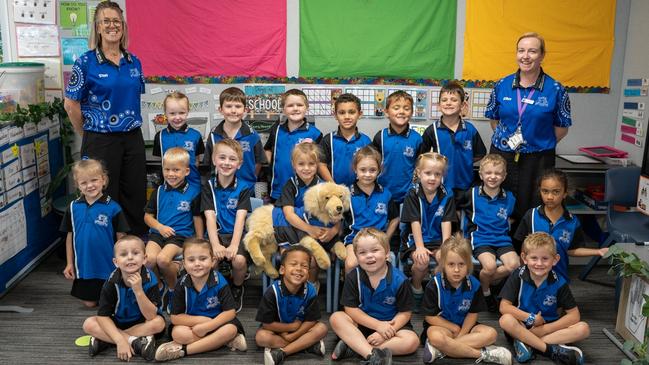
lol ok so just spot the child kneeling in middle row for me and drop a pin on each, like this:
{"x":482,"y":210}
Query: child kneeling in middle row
{"x":451,"y":304}
{"x":378,"y":305}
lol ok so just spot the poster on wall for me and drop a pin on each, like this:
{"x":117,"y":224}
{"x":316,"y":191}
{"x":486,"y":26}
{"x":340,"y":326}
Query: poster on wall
{"x":264,"y":105}
{"x":13,"y":231}
{"x":35,"y":12}
{"x":73,"y":48}
{"x":73,"y":14}
{"x":321,"y":100}
{"x":372,"y":100}
{"x":37,"y":40}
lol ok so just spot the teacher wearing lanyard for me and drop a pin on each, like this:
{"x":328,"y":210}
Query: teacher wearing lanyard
{"x":102,"y":100}
{"x":530,"y":114}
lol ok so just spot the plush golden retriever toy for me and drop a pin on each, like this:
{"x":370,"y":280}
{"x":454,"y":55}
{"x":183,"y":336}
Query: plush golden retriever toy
{"x":267,"y":228}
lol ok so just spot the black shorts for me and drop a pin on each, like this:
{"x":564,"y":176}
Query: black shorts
{"x":366,"y":331}
{"x":87,"y":289}
{"x":287,"y":236}
{"x":235,"y":322}
{"x":162,"y":242}
{"x":405,"y":254}
{"x":423,"y":336}
{"x":126,"y":325}
{"x":496,"y":251}
{"x":225,"y":239}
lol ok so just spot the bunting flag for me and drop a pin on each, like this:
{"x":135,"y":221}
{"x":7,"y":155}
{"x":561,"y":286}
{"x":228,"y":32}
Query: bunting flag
{"x":198,"y":37}
{"x":579,"y":37}
{"x":387,"y":38}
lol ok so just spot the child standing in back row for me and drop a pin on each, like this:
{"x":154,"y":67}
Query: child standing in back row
{"x":93,"y":222}
{"x":283,"y":136}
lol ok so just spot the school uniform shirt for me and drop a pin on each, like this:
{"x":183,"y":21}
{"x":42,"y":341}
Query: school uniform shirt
{"x":392,"y":296}
{"x":281,"y":142}
{"x":186,"y":138}
{"x":549,"y":298}
{"x":399,"y":152}
{"x":487,"y":219}
{"x":253,"y":151}
{"x":109,"y":94}
{"x":567,"y":233}
{"x":546,"y":104}
{"x":118,"y":300}
{"x":460,"y":148}
{"x":374,"y":210}
{"x":280,"y":305}
{"x":339,"y":152}
{"x":293,"y":192}
{"x":442,"y":299}
{"x":176,"y":207}
{"x":225,"y":202}
{"x":213,"y":299}
{"x":94,"y":229}
{"x":416,"y":208}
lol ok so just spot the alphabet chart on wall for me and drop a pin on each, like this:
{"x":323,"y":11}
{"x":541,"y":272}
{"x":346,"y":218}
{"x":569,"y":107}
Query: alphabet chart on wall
{"x":321,"y":100}
{"x":372,"y":101}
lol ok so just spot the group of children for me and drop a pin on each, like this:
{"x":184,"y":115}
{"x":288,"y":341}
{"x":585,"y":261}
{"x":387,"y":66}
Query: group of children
{"x":423,"y":182}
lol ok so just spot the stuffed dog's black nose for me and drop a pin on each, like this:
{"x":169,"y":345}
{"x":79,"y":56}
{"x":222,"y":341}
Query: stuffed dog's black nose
{"x":339,"y":209}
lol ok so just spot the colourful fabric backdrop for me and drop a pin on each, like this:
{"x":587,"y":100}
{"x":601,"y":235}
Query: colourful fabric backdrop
{"x":200,"y":37}
{"x":579,"y":38}
{"x":407,"y":38}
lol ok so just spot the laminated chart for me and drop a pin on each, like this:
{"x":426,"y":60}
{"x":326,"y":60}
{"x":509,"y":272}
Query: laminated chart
{"x":321,"y":100}
{"x":478,"y":100}
{"x":372,"y":100}
{"x":13,"y":233}
{"x":420,"y":98}
{"x":434,"y":103}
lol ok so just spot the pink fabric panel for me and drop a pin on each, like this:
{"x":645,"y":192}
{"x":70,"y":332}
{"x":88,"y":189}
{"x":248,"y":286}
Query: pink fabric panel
{"x":206,"y":37}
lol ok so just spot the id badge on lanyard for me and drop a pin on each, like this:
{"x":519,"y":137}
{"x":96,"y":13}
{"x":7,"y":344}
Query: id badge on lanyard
{"x":516,"y":140}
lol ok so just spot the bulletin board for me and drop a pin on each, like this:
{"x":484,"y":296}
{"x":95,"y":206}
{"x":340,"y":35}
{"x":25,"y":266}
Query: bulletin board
{"x":30,"y":157}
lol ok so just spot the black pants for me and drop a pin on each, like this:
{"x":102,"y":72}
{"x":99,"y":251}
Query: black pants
{"x":124,"y":157}
{"x":522,"y":179}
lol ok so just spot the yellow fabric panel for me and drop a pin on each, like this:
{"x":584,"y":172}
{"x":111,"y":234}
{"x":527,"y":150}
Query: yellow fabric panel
{"x":579,"y":38}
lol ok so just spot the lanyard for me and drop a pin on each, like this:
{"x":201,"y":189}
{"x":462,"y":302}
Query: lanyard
{"x":521,"y":107}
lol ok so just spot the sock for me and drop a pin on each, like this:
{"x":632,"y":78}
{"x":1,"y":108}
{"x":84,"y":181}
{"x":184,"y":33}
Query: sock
{"x":185,"y":349}
{"x":486,"y":292}
{"x":131,"y":339}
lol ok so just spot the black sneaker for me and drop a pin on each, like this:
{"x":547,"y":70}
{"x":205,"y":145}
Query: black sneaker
{"x":96,"y":346}
{"x":342,"y":351}
{"x":378,"y":357}
{"x":274,"y":356}
{"x":492,"y":303}
{"x":237,"y":294}
{"x":144,"y":346}
{"x":568,"y":355}
{"x":317,"y":349}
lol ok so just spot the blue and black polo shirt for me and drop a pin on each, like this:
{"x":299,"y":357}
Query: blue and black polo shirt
{"x":550,"y":298}
{"x":213,"y":299}
{"x":176,"y":207}
{"x":374,"y":210}
{"x":286,"y":234}
{"x":281,"y":142}
{"x":487,"y":219}
{"x":392,"y":296}
{"x":548,"y":107}
{"x":109,"y":94}
{"x":293,"y":192}
{"x":186,"y":138}
{"x":253,"y":151}
{"x":280,"y":305}
{"x":225,"y":201}
{"x":461,"y":148}
{"x":399,"y":152}
{"x":94,"y":229}
{"x":339,"y":152}
{"x":416,"y":208}
{"x":566,"y":231}
{"x":453,"y":304}
{"x":118,"y":301}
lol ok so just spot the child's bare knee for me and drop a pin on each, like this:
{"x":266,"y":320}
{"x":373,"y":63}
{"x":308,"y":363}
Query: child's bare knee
{"x":163,"y":261}
{"x":320,"y":329}
{"x":507,"y":321}
{"x":90,"y":325}
{"x":436,"y":338}
{"x":490,"y":334}
{"x":182,"y":334}
{"x":158,"y":324}
{"x":583,"y":329}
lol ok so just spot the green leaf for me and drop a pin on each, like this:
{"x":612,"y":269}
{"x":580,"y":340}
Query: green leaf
{"x":628,"y":345}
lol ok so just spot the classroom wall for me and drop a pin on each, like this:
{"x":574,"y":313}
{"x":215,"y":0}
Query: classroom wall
{"x":636,"y":65}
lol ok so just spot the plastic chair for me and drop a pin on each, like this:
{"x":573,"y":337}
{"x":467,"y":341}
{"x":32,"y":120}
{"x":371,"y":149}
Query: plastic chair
{"x":621,"y":189}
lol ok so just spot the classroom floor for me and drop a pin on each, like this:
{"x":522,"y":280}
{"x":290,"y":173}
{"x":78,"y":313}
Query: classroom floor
{"x":46,"y":336}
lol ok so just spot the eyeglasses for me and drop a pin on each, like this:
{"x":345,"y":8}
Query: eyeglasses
{"x":114,"y":22}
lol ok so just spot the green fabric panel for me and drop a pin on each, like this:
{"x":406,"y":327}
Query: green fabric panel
{"x":387,"y":38}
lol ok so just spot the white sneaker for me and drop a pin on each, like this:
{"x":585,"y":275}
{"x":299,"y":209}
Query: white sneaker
{"x":169,"y":351}
{"x":496,"y":355}
{"x":238,"y":343}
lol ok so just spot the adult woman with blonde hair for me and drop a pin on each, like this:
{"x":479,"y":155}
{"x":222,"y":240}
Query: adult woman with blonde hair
{"x":102,"y":100}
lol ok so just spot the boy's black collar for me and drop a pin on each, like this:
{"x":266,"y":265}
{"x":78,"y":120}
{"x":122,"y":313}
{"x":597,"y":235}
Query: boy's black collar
{"x":502,"y":194}
{"x":183,"y":128}
{"x":217,"y":184}
{"x":524,"y":274}
{"x":244,"y":129}
{"x":182,"y":187}
{"x":356,"y":135}
{"x":404,"y":133}
{"x":302,"y":290}
{"x":116,"y":278}
{"x":365,"y":279}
